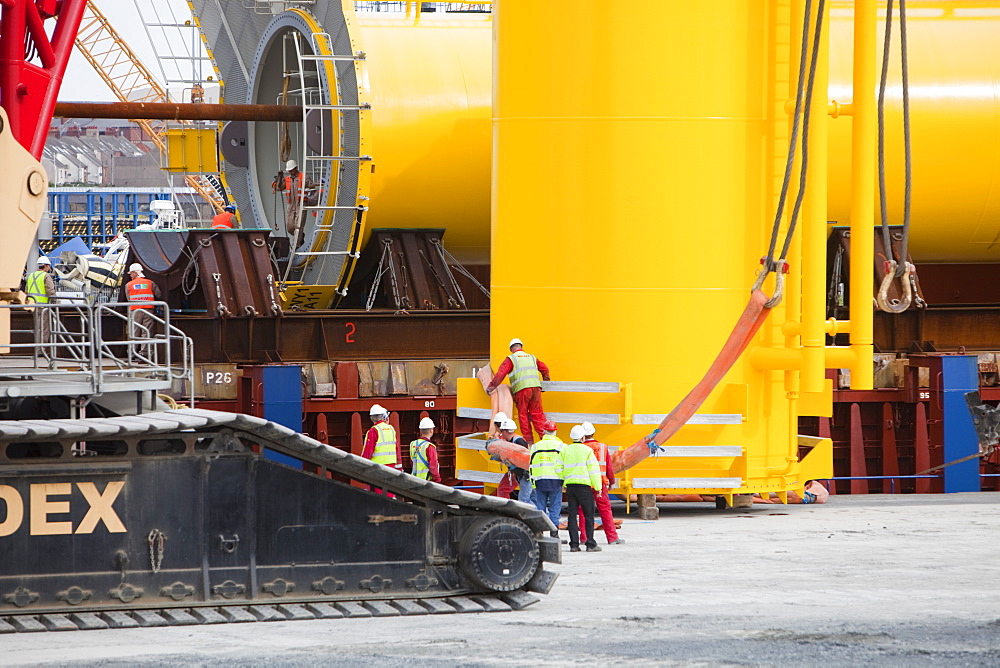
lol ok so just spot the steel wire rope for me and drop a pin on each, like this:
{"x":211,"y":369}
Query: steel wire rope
{"x":806,"y":91}
{"x":769,"y":265}
{"x":453,"y":263}
{"x":805,"y":130}
{"x":896,"y":268}
{"x":189,"y":285}
{"x":886,"y":44}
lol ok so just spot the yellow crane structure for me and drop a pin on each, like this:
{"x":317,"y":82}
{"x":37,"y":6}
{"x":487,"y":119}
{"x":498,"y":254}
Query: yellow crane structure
{"x":131,"y":81}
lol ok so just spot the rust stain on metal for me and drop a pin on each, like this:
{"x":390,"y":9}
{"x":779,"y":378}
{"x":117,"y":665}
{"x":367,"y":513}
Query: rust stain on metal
{"x":379,"y":519}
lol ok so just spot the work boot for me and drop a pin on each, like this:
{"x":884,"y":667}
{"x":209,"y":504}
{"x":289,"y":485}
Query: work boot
{"x":617,"y":541}
{"x":576,"y":548}
{"x":593,"y":548}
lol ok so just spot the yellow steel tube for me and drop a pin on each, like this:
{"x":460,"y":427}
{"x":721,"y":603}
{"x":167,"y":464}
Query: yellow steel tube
{"x":793,"y":359}
{"x":793,"y":283}
{"x":814,"y":223}
{"x":831,"y":326}
{"x":863,"y":150}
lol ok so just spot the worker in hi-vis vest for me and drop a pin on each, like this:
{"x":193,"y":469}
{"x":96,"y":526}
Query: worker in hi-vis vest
{"x":139,"y":291}
{"x":40,"y":288}
{"x":582,"y":477}
{"x":546,"y":468}
{"x":423,"y":453}
{"x":515,"y":477}
{"x":225,"y":220}
{"x":526,"y":375}
{"x":381,"y":443}
{"x":298,"y":191}
{"x":601,"y":499}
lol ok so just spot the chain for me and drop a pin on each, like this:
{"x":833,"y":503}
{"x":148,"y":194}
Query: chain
{"x":158,"y":539}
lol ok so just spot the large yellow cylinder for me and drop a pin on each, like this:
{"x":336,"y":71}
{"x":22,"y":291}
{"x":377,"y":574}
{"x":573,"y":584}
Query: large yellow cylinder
{"x":953,"y":59}
{"x":428,"y":80}
{"x":626,"y":250}
{"x":429,"y":86}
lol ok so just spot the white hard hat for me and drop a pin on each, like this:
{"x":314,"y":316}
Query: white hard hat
{"x":290,"y":165}
{"x":136,"y":267}
{"x":514,"y":342}
{"x":588,"y":429}
{"x":576,"y":433}
{"x":426,"y":423}
{"x":377,"y":410}
{"x":499,"y":417}
{"x":44,"y":260}
{"x":508,"y":425}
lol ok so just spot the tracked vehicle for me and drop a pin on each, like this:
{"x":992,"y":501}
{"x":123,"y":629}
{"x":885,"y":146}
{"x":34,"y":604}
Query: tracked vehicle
{"x":191,"y":516}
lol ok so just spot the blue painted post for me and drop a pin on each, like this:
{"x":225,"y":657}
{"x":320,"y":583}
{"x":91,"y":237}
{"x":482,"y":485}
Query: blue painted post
{"x":91,"y":200}
{"x":283,"y":395}
{"x":959,"y":374}
{"x":99,"y":236}
{"x":63,"y":208}
{"x":282,"y":403}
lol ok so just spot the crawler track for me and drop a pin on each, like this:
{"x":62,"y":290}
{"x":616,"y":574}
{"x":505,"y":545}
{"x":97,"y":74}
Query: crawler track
{"x":198,"y":517}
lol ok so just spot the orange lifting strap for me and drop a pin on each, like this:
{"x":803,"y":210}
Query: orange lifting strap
{"x":753,"y":317}
{"x":750,"y":321}
{"x":509,"y":453}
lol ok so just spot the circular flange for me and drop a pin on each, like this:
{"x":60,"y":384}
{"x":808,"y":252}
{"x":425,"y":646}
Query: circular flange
{"x":300,"y":61}
{"x":498,"y":554}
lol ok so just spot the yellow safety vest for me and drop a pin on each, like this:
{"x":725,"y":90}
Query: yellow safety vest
{"x":525,"y":372}
{"x":580,"y":466}
{"x":418,"y":455}
{"x":546,"y":459}
{"x":34,"y":288}
{"x":385,"y":446}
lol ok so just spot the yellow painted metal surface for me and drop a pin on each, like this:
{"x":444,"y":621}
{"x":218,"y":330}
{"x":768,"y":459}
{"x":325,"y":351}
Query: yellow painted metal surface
{"x":428,"y":81}
{"x":954,"y":78}
{"x":23,"y":188}
{"x":637,"y":238}
{"x":191,"y":150}
{"x":298,"y":297}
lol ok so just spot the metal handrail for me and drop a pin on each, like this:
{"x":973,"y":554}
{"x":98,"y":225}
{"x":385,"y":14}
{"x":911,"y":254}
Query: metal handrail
{"x":77,"y":337}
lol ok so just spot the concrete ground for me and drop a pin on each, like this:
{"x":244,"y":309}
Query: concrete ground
{"x":876,"y":580}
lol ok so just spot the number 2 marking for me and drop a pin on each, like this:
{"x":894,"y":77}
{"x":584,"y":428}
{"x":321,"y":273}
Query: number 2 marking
{"x":350,"y":332}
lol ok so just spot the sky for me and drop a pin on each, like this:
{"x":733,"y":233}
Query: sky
{"x":135,"y":21}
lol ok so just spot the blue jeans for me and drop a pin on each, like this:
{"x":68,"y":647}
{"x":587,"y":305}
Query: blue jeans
{"x":525,"y":492}
{"x":549,"y":501}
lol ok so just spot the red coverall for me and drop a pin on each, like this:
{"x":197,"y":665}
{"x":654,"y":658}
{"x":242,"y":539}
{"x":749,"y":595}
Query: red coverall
{"x":528,"y":400}
{"x":601,"y":499}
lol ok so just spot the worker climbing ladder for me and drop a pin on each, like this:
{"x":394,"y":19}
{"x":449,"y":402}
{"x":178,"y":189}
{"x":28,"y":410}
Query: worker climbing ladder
{"x":329,"y":207}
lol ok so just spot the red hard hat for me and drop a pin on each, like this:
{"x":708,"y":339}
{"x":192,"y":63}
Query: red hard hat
{"x":549,"y":425}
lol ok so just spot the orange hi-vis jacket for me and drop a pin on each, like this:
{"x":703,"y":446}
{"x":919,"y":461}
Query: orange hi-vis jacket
{"x":140,"y":290}
{"x":601,"y":452}
{"x":223,"y":221}
{"x":288,"y":186}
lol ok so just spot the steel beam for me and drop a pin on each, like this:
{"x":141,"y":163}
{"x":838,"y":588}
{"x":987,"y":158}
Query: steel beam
{"x":338,"y":336}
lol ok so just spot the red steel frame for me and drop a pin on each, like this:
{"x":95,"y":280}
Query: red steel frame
{"x":28,"y":91}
